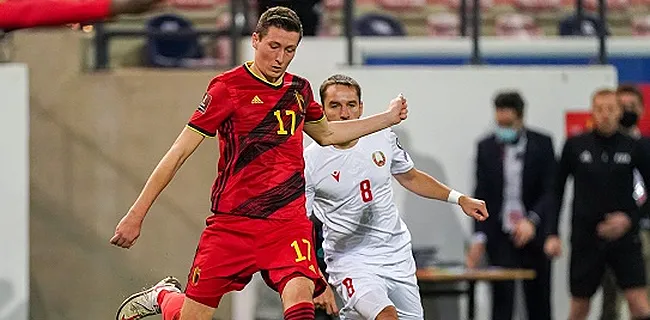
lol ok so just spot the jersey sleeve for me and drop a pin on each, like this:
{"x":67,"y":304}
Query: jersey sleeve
{"x":313,"y":111}
{"x":310,"y":192}
{"x":215,"y":107}
{"x":402,"y":162}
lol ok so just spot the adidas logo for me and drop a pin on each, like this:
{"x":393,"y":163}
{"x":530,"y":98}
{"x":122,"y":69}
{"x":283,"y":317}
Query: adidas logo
{"x":257,"y":100}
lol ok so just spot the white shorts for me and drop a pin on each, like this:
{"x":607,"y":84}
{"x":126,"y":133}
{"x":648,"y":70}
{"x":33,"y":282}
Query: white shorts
{"x":365,"y":294}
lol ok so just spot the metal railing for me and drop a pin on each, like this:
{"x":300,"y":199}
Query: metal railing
{"x":239,"y":8}
{"x":476,"y":56}
{"x":104,"y":35}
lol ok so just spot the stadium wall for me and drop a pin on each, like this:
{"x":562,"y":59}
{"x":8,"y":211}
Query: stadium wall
{"x":14,"y":193}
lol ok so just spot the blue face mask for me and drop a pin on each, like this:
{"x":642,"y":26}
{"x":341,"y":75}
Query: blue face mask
{"x":506,"y":135}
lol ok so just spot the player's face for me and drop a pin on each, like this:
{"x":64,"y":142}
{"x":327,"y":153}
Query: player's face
{"x":274,"y":51}
{"x":342,"y":103}
{"x":507,"y":118}
{"x":630,"y":102}
{"x":606,"y":113}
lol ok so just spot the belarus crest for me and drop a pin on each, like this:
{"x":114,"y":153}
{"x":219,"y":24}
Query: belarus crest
{"x":379,"y":158}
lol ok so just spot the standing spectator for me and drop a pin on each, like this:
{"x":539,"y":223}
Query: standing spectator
{"x":631,"y":99}
{"x":605,"y":216}
{"x":514,"y":172}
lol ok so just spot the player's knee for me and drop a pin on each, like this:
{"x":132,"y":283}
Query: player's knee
{"x":298,"y":289}
{"x":388,"y":313}
{"x":638,"y":303}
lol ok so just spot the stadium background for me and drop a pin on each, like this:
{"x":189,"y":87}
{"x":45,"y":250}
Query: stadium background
{"x":94,"y":136}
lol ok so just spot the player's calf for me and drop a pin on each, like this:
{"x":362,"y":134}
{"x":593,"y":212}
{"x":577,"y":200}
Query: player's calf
{"x":388,"y":313}
{"x":297,"y":295}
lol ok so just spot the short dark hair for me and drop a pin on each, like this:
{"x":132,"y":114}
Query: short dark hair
{"x":630,"y":89}
{"x":342,"y":80}
{"x":279,"y":17}
{"x":510,"y":100}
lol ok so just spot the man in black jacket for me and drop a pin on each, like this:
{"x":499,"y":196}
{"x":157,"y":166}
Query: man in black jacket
{"x":514,"y":176}
{"x":631,"y":100}
{"x":605,"y":216}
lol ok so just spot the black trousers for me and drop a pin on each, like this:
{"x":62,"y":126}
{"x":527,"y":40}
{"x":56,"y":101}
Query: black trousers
{"x":537,"y":291}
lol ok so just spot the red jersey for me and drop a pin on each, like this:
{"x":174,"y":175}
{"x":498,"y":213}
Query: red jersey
{"x":261,"y":166}
{"x":16,"y":14}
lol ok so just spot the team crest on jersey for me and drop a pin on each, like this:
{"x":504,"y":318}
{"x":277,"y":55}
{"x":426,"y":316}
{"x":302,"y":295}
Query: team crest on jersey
{"x":300,"y":100}
{"x":379,"y":158}
{"x":196,"y":274}
{"x":336,"y":175}
{"x":205,"y":102}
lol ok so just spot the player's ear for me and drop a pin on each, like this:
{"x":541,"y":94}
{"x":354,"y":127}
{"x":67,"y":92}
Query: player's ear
{"x":360,"y":108}
{"x":255,"y":39}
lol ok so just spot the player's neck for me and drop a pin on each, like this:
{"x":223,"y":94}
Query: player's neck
{"x":260,"y":74}
{"x":347,"y":145}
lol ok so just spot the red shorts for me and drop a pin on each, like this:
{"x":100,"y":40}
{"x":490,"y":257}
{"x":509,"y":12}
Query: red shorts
{"x":233,"y":248}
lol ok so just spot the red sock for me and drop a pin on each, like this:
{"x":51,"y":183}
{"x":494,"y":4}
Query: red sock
{"x":300,"y":311}
{"x":170,"y":304}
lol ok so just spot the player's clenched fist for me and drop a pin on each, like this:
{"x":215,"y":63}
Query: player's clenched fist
{"x":474,"y":208}
{"x":127,"y":231}
{"x":398,"y":109}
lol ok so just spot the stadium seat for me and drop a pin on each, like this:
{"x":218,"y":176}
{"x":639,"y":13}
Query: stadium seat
{"x":455,"y":4}
{"x":337,"y":5}
{"x":378,"y":24}
{"x":592,"y":5}
{"x":516,"y":25}
{"x":164,"y":49}
{"x":538,"y":5}
{"x":402,"y":4}
{"x":443,"y":25}
{"x":613,"y":5}
{"x":641,"y":26}
{"x":193,"y":4}
{"x":333,"y":4}
{"x":590,"y":26}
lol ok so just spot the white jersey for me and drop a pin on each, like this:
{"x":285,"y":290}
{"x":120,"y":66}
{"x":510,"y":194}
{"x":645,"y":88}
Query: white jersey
{"x":350,"y":192}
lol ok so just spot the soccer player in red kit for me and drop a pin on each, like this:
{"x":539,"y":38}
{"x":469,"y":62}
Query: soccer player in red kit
{"x":258,"y":198}
{"x":20,"y":14}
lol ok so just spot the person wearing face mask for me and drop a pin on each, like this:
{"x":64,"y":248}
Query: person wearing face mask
{"x":605,"y":215}
{"x":631,"y":100}
{"x":514,"y":171}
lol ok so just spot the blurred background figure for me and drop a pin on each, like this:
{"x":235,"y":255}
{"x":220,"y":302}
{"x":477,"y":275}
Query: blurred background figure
{"x":605,"y":216}
{"x":630,"y":99}
{"x":514,"y":175}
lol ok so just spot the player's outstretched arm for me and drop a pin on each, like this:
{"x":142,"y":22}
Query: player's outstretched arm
{"x":427,"y":186}
{"x":38,"y":13}
{"x":328,"y":133}
{"x":128,"y":230}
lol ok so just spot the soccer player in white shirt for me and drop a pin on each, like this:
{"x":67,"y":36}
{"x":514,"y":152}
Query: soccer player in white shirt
{"x":349,"y":189}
